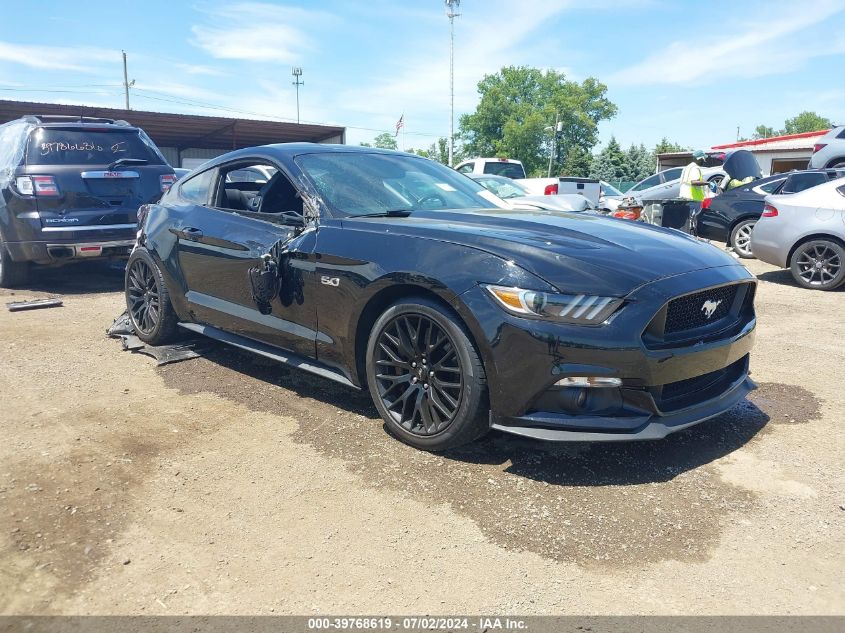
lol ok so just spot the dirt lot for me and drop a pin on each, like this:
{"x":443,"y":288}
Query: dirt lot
{"x":231,"y":485}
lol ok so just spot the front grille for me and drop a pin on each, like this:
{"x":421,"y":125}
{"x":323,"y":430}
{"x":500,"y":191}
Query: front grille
{"x":697,"y":310}
{"x":684,"y":393}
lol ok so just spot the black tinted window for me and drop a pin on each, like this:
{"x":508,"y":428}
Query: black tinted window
{"x":83,"y":147}
{"x":195,"y":188}
{"x":509,"y":170}
{"x":672,"y":174}
{"x":800,"y":182}
{"x":771,"y":187}
{"x":648,"y":182}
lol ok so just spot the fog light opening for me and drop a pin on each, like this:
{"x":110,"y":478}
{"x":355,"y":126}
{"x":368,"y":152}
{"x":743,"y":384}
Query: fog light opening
{"x":573,"y":399}
{"x":585,"y":382}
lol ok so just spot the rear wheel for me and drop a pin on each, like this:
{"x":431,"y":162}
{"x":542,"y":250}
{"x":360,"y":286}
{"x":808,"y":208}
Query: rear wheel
{"x":12,"y":273}
{"x":425,"y":376}
{"x":148,"y":301}
{"x":819,"y":264}
{"x":741,"y":238}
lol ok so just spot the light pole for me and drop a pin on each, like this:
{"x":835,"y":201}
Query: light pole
{"x":296,"y":72}
{"x":554,"y":130}
{"x":451,"y":12}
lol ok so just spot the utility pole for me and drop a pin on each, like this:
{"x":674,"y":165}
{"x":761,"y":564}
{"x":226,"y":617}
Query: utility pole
{"x":126,"y":83}
{"x":451,"y":12}
{"x":296,"y":72}
{"x":555,"y":130}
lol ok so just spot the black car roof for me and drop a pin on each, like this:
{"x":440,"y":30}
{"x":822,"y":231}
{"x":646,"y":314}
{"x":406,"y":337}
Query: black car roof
{"x":290,"y":150}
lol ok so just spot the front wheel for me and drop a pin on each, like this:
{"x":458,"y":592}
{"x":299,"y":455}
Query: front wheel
{"x":425,"y":376}
{"x":818,"y":264}
{"x":148,"y":301}
{"x":741,"y":238}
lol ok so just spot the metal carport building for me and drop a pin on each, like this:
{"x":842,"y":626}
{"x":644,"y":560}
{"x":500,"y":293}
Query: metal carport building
{"x":187,"y":140}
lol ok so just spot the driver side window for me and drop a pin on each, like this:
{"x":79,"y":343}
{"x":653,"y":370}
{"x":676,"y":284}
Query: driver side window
{"x":270,"y":196}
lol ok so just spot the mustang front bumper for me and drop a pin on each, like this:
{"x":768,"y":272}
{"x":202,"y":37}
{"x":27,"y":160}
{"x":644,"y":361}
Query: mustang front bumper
{"x":666,"y":384}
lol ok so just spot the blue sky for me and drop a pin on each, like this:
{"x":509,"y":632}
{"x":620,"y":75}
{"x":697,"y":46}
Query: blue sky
{"x":690,"y":71}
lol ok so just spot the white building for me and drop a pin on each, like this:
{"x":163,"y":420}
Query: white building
{"x":775,"y":154}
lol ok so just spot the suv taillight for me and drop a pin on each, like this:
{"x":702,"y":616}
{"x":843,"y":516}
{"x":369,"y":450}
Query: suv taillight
{"x":167,"y":181}
{"x":43,"y":186}
{"x":819,"y":147}
{"x":550,"y":190}
{"x":769,"y":211}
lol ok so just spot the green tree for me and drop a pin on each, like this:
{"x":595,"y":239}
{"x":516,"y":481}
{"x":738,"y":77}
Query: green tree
{"x":385,"y":140}
{"x":438,"y":151}
{"x":806,"y":122}
{"x":639,"y":162}
{"x":577,"y":162}
{"x":609,"y":163}
{"x":519,"y":103}
{"x":665,"y":146}
{"x":763,"y":131}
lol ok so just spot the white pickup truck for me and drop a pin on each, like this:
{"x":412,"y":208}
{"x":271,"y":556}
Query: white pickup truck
{"x":602,"y":194}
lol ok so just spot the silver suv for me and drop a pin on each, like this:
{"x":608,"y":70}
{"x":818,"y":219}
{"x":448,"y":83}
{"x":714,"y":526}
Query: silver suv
{"x":830,"y":150}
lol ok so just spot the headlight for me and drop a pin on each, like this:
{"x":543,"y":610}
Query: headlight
{"x":583,"y":309}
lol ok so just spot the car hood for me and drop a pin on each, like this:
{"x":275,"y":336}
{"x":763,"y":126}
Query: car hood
{"x":575,"y":252}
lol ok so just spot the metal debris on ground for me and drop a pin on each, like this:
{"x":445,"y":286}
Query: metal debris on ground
{"x":123,"y":329}
{"x":35,"y":304}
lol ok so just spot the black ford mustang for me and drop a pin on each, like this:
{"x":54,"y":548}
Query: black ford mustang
{"x":391,"y":272}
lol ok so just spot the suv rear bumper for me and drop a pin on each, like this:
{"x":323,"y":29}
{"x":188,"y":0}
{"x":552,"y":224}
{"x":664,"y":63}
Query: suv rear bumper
{"x":56,"y":251}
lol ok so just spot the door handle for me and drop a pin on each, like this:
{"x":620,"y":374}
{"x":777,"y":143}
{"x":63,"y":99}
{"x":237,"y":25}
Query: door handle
{"x":190,"y":233}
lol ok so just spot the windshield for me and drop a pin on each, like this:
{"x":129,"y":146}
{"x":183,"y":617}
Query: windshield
{"x":505,"y":188}
{"x":357,"y":183}
{"x":54,"y":146}
{"x":610,"y":190}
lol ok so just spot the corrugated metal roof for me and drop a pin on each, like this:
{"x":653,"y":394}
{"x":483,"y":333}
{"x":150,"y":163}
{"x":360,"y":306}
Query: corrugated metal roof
{"x":805,"y":140}
{"x":186,"y":130}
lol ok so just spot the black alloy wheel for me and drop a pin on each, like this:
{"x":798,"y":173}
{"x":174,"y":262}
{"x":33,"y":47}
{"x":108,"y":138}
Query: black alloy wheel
{"x":419,"y":375}
{"x":819,"y":264}
{"x":143,"y":297}
{"x":425,"y":376}
{"x":148,"y":301}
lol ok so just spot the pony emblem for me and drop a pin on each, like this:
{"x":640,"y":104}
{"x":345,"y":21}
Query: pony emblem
{"x":709,"y":307}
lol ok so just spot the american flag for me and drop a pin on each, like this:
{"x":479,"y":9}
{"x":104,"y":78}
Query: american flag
{"x":400,"y":124}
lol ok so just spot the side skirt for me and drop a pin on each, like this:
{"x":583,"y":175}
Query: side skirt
{"x":268,"y":351}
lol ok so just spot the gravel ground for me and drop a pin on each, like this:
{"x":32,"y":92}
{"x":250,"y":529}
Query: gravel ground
{"x":228,"y":484}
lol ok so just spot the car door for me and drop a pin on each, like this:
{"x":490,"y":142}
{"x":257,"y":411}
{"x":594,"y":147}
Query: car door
{"x":670,"y":183}
{"x":220,"y":240}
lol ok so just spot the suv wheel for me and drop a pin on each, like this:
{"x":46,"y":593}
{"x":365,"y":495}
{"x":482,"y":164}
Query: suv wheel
{"x":12,"y":273}
{"x":818,"y":264}
{"x":425,"y":376}
{"x":148,"y":301}
{"x":741,"y":238}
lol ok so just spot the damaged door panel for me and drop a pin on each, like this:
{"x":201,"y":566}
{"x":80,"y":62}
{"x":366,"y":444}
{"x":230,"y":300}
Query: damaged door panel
{"x":219,"y":250}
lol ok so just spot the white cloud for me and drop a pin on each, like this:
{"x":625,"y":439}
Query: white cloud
{"x":420,"y":85}
{"x":78,"y":59}
{"x":259,"y":32}
{"x":755,"y":48}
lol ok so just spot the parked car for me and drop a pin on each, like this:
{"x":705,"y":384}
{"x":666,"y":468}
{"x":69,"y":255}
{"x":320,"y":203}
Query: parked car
{"x":730,"y":217}
{"x":666,"y":185}
{"x":805,"y":232}
{"x":497,"y":166}
{"x":71,"y":188}
{"x":390,"y":272}
{"x":610,"y":197}
{"x":830,"y":150}
{"x":519,"y":196}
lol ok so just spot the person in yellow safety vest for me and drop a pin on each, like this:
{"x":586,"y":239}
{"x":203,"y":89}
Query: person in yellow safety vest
{"x":693,"y":185}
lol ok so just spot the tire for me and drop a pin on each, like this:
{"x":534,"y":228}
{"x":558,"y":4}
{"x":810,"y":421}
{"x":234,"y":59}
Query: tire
{"x":420,"y":403}
{"x":741,"y":239}
{"x":148,"y":300}
{"x":12,"y":273}
{"x":818,"y":264}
